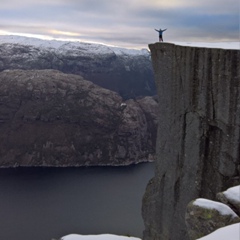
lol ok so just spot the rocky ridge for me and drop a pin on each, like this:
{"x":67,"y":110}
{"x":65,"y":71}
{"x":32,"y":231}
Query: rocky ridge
{"x":48,"y":118}
{"x":126,"y":71}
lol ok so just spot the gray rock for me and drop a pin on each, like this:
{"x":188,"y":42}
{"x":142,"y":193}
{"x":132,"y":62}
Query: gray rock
{"x":48,"y":118}
{"x":198,"y":133}
{"x":204,"y":216}
{"x":231,"y":197}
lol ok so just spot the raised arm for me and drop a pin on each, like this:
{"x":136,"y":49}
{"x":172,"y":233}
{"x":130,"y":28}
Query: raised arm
{"x":164,"y":30}
{"x":156,"y":30}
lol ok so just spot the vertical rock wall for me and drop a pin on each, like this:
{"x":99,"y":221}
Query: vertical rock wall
{"x":198,"y":136}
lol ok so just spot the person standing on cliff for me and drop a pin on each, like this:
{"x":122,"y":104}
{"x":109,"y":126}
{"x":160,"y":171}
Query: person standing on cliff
{"x":160,"y":31}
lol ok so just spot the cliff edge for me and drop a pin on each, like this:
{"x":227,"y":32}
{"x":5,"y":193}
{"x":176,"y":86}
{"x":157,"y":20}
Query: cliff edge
{"x":198,"y":139}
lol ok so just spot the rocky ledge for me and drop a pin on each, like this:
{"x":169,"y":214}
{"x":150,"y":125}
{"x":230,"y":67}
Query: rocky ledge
{"x":48,"y":118}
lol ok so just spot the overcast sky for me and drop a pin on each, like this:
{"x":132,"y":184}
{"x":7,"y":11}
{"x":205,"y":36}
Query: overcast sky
{"x":126,"y":23}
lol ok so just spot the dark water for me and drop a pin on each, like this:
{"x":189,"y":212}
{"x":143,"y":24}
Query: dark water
{"x":46,"y":203}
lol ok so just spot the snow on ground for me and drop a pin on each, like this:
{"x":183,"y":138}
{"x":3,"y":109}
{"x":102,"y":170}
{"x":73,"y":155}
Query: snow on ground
{"x":30,"y":41}
{"x":231,"y":232}
{"x":224,"y":45}
{"x":233,"y":193}
{"x":220,"y":207}
{"x":97,"y":237}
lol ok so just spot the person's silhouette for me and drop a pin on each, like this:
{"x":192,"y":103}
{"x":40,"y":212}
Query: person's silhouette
{"x":160,"y":31}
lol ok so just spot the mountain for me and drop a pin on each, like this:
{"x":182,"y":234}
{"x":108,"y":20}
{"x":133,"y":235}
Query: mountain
{"x":48,"y":118}
{"x":125,"y":71}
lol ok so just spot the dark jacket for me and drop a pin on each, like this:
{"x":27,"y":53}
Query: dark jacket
{"x":160,"y":31}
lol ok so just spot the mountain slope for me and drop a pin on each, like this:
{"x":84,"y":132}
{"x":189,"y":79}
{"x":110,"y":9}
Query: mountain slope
{"x":48,"y":118}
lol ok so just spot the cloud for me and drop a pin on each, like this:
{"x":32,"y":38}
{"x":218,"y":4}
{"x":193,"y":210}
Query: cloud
{"x":123,"y":22}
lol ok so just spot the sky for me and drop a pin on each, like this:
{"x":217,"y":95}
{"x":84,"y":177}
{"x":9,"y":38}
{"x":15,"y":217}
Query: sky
{"x":124,"y":23}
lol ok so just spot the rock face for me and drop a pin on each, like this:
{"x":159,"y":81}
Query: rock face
{"x":127,"y":72}
{"x":48,"y":118}
{"x":198,"y":133}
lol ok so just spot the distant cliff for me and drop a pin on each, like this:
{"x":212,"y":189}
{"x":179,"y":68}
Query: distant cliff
{"x":48,"y":118}
{"x":198,"y":144}
{"x":125,"y":71}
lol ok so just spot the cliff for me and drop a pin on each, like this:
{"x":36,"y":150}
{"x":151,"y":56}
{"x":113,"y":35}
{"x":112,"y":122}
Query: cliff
{"x":198,"y":148}
{"x":125,"y":71}
{"x":48,"y":118}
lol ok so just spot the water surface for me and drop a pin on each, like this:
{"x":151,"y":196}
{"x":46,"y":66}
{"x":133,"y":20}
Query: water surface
{"x":46,"y":203}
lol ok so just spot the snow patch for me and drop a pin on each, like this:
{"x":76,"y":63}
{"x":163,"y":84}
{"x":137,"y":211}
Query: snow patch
{"x":97,"y":237}
{"x":220,"y":207}
{"x":224,"y":45}
{"x":231,"y":232}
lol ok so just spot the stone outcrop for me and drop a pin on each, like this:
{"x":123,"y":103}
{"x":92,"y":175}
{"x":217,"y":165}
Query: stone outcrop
{"x":130,"y":75}
{"x":198,"y":133}
{"x":231,"y":197}
{"x":205,"y":216}
{"x":48,"y":118}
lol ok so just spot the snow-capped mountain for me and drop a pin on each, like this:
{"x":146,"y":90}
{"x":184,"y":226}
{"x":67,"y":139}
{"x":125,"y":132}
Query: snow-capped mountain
{"x":93,"y":48}
{"x":126,"y":71}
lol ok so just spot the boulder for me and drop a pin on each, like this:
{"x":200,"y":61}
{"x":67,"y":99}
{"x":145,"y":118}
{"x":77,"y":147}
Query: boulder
{"x":205,"y":216}
{"x":231,"y":197}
